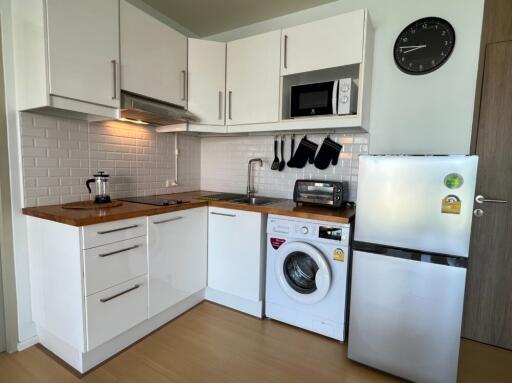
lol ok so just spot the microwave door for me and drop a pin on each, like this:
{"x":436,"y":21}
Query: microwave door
{"x":335,"y":86}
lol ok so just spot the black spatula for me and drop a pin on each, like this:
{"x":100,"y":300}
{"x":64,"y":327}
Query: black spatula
{"x":282,"y":163}
{"x":275,"y":163}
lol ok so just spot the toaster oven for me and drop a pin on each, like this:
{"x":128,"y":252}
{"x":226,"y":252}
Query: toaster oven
{"x":325,"y":193}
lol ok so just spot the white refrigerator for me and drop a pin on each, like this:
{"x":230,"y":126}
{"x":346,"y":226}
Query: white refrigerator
{"x":412,"y":232}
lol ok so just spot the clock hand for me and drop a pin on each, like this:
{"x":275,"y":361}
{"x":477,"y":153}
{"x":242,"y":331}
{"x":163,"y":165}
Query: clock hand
{"x":413,"y":48}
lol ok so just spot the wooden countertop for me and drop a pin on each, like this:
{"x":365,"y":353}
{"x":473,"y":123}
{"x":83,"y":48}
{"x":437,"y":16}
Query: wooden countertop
{"x":131,"y":210}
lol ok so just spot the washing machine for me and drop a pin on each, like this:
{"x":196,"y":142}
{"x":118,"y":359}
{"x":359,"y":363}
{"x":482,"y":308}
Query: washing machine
{"x":306,"y":274}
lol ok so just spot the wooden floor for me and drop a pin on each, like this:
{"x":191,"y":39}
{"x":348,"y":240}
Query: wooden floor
{"x":214,"y":344}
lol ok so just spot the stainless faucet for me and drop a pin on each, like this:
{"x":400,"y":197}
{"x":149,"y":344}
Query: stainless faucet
{"x":250,"y":189}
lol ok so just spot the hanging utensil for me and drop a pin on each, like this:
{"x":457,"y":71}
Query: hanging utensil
{"x":282,"y":164}
{"x":275,"y":163}
{"x":292,"y":149}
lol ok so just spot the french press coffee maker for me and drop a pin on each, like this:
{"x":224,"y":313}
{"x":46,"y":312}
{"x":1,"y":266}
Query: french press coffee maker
{"x":101,"y":181}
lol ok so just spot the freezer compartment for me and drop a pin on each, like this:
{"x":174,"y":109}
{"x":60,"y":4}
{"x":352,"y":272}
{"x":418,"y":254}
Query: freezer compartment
{"x":405,"y":316}
{"x":400,"y":202}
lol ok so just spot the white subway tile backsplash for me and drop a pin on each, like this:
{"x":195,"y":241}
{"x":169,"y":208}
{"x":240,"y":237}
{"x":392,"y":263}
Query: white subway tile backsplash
{"x":224,"y":164}
{"x":59,"y":155}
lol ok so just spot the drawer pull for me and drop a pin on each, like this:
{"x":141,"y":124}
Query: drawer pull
{"x":167,"y":220}
{"x":223,"y":214}
{"x":104,"y":300}
{"x":118,"y":251}
{"x":120,"y":229}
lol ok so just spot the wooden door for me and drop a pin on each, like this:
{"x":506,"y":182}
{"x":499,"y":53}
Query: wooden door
{"x":332,"y":42}
{"x":488,"y":304}
{"x":252,"y":81}
{"x":153,"y":57}
{"x":207,"y":80}
{"x":83,"y":50}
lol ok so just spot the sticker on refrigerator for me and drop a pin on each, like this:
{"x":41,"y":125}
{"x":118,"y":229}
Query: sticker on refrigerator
{"x":453,"y":181}
{"x":451,"y":204}
{"x":338,"y":255}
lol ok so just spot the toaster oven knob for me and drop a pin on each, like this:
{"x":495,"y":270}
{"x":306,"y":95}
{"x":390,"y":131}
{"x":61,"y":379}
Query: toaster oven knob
{"x":344,"y":99}
{"x":305,"y":230}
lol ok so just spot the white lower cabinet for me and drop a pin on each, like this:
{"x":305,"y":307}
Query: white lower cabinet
{"x":236,"y":259}
{"x":115,"y":310}
{"x":177,"y":257}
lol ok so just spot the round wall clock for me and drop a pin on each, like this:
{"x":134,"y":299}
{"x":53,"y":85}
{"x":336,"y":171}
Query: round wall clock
{"x":424,"y":45}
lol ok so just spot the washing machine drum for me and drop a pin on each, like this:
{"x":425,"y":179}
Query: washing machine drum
{"x":303,"y":272}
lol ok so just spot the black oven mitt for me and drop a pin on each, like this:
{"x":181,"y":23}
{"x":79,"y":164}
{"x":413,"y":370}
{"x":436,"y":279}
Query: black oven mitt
{"x":305,"y":151}
{"x":328,"y":153}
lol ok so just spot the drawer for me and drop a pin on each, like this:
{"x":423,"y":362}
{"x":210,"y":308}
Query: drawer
{"x":110,"y":232}
{"x":108,"y":265}
{"x":113,"y":311}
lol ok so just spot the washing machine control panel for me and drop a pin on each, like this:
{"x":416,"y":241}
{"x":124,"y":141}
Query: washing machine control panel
{"x":311,"y":230}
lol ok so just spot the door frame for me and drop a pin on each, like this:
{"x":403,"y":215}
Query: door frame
{"x":8,"y":299}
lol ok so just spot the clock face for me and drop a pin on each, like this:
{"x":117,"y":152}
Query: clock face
{"x":424,"y":45}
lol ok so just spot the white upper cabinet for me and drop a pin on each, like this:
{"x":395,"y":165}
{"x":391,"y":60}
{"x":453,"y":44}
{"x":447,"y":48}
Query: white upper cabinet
{"x":207,"y":80}
{"x":67,"y":55}
{"x":83,"y":50}
{"x":332,"y":42}
{"x":153,"y":57}
{"x":252,"y":82}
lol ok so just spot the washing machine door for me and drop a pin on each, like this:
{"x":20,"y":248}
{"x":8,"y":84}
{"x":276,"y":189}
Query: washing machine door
{"x":303,"y":272}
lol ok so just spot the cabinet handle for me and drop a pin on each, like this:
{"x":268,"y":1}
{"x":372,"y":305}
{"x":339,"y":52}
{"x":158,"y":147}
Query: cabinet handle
{"x":230,"y":96}
{"x":223,"y":214}
{"x":120,"y":229}
{"x":220,"y":105}
{"x":285,"y":51}
{"x":118,"y":251}
{"x":104,"y":300}
{"x":167,"y":220}
{"x":114,"y":70}
{"x":184,"y":76}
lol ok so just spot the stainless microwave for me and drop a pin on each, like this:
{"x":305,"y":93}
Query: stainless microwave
{"x":336,"y":97}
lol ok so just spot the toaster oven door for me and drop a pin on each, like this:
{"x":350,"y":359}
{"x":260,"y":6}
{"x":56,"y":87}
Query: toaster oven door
{"x":316,"y":193}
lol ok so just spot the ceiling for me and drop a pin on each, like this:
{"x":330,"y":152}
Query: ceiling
{"x":208,"y":17}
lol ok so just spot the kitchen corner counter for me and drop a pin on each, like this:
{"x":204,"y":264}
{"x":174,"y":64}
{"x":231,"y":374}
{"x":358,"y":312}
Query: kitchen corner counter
{"x":86,"y":217}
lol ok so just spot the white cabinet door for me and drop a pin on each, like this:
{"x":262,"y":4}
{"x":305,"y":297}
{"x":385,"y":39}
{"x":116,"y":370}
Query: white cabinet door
{"x":252,"y":81}
{"x":207,"y":80}
{"x":83,"y":50}
{"x":177,"y":256}
{"x":234,"y":252}
{"x":153,"y":57}
{"x":327,"y":43}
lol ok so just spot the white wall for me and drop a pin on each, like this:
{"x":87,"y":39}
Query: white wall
{"x":429,"y":114}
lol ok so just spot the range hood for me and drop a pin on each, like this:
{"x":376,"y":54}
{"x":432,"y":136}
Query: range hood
{"x":141,"y":109}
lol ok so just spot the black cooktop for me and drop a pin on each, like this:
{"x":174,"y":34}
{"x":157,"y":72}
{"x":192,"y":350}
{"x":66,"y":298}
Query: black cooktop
{"x":151,"y":200}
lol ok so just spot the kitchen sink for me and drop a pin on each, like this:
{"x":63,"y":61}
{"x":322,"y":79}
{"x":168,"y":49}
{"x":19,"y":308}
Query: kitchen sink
{"x":255,"y":200}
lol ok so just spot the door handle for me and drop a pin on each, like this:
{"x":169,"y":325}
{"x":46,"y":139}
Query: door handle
{"x":167,"y":220}
{"x":116,"y":230}
{"x":104,"y":300}
{"x":184,"y":75}
{"x":230,"y":96}
{"x":223,"y":214}
{"x":220,"y":105}
{"x":482,"y":199}
{"x":118,"y":251}
{"x":114,"y":70}
{"x":285,"y":59}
